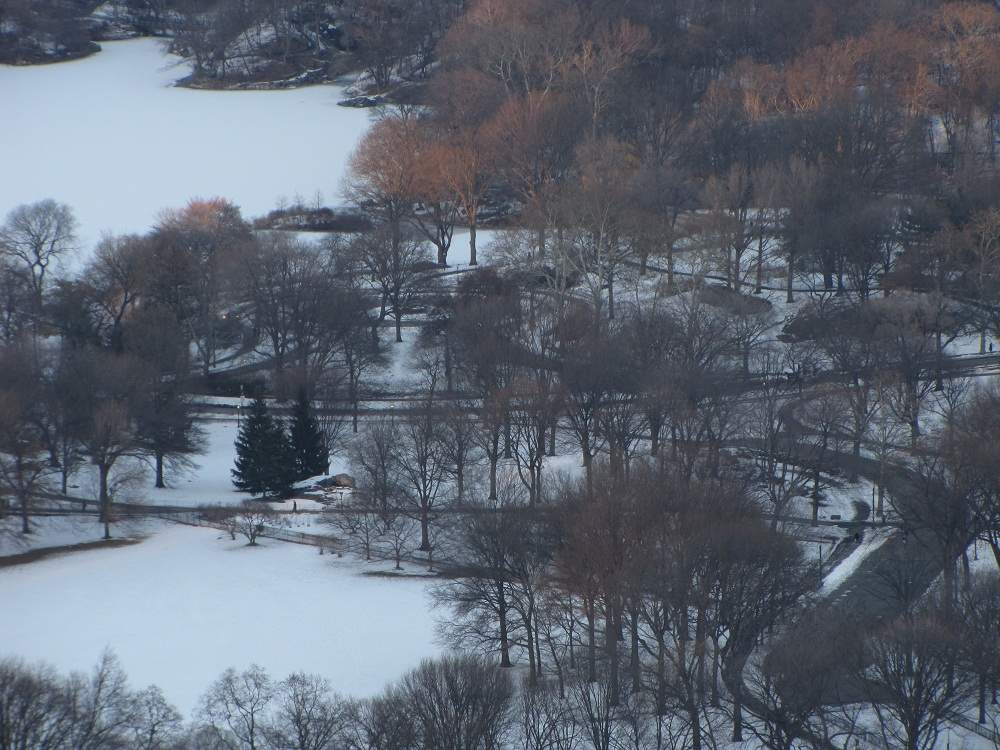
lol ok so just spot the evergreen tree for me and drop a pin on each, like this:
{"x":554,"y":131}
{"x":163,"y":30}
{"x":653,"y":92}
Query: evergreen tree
{"x":264,"y":458}
{"x":312,"y":456}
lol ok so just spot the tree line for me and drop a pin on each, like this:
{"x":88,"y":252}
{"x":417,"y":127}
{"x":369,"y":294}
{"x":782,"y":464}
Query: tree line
{"x":912,"y":675}
{"x":850,"y":155}
{"x":100,"y":365}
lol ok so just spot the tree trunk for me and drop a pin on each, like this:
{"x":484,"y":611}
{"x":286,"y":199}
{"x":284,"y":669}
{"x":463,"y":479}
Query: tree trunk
{"x":789,"y":296}
{"x":473,"y":260}
{"x":504,"y":636}
{"x":982,"y":697}
{"x":670,"y":265}
{"x":611,"y":295}
{"x":715,"y":673}
{"x":25,"y":525}
{"x":736,"y":686}
{"x":634,"y":663}
{"x":159,"y":471}
{"x":759,"y":284}
{"x":425,"y":525}
{"x":661,"y":676}
{"x":938,"y":363}
{"x":591,"y":641}
{"x":105,"y":499}
{"x":532,"y":663}
{"x":611,"y":649}
{"x":827,"y":279}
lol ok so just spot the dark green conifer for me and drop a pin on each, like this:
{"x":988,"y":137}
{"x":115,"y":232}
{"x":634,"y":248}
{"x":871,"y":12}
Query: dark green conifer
{"x":264,"y":459}
{"x":311,"y":455}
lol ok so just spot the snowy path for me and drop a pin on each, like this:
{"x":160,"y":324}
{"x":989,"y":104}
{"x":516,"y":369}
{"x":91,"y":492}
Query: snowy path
{"x":183,"y":605}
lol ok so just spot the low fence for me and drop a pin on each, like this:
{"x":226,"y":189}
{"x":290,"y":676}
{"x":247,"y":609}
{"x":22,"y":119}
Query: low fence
{"x":985,"y":732}
{"x":197,"y":518}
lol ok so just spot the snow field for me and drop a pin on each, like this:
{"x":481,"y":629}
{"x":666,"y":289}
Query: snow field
{"x":110,"y":136}
{"x":188,"y":602}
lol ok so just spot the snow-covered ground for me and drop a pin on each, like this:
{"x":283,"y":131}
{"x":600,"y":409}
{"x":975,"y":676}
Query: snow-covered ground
{"x":111,"y":137}
{"x":187,"y":603}
{"x":838,"y":499}
{"x":53,"y":531}
{"x":210,"y":482}
{"x":459,"y":253}
{"x":207,"y":482}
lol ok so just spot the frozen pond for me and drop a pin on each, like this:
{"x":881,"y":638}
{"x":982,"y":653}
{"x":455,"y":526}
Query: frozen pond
{"x":111,"y":137}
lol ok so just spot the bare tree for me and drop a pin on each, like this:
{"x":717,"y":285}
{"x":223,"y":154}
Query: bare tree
{"x":253,"y":518}
{"x":908,"y":668}
{"x":35,"y":236}
{"x":361,"y":523}
{"x":423,"y":466}
{"x":111,"y":386}
{"x":23,"y":463}
{"x":33,"y":710}
{"x":373,"y":462}
{"x":234,"y":708}
{"x":796,"y":681}
{"x":545,"y":720}
{"x":980,"y":609}
{"x":296,"y":304}
{"x":156,"y":725}
{"x":459,"y":702}
{"x":114,"y":280}
{"x":192,"y":259}
{"x":458,"y":444}
{"x":482,"y":601}
{"x":393,"y":267}
{"x":100,"y":705}
{"x":398,"y":530}
{"x":306,"y":715}
{"x":383,"y":173}
{"x":598,"y":214}
{"x":597,"y":703}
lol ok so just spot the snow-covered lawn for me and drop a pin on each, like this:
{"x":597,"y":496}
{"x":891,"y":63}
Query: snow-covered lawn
{"x":51,"y":531}
{"x":187,"y":602}
{"x":111,"y":137}
{"x":207,"y":482}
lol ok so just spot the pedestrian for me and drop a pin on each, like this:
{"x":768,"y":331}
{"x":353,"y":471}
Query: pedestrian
{"x":295,"y":506}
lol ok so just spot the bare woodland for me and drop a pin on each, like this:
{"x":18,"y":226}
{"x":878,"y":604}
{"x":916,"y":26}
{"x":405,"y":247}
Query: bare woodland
{"x":743,"y":255}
